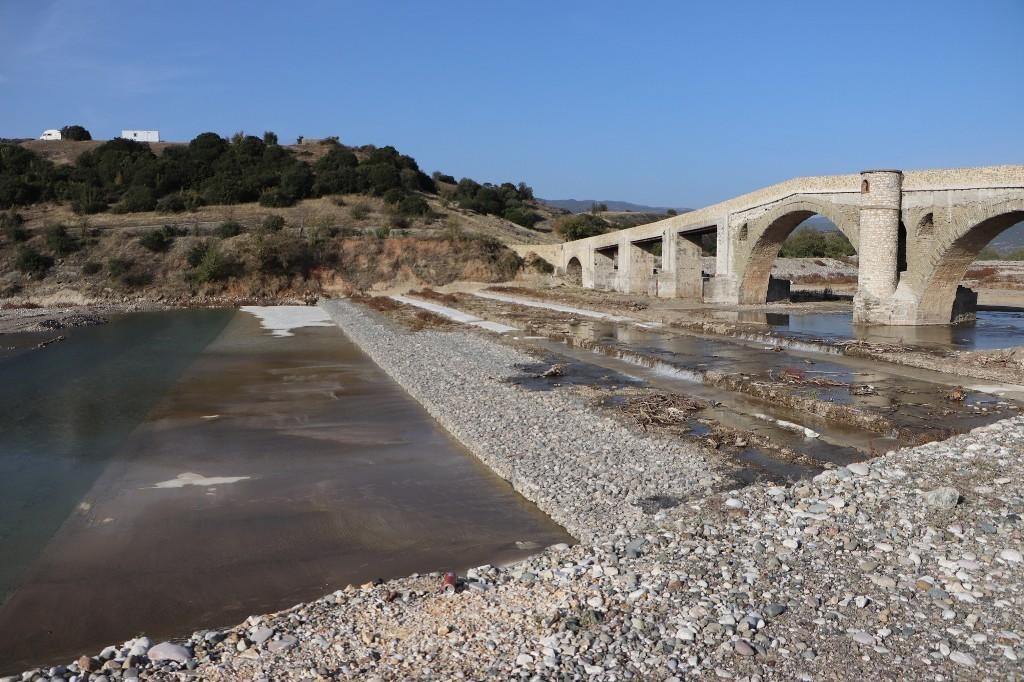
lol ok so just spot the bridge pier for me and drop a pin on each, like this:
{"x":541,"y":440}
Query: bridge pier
{"x":878,"y":299}
{"x":685,"y":272}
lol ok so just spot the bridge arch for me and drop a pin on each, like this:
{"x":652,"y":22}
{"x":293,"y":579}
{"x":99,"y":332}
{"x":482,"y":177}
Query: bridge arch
{"x":954,"y":252}
{"x":755,"y":255}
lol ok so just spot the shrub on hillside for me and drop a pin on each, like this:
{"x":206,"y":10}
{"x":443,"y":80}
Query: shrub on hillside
{"x":128,"y":273}
{"x":359,"y":211}
{"x":520,"y":215}
{"x":228,"y":229}
{"x":32,"y":263}
{"x":393,"y":196}
{"x":214,"y":266}
{"x":282,"y":254}
{"x":12,"y":226}
{"x":540,"y":265}
{"x":580,"y":226}
{"x":91,"y":267}
{"x":172,"y":203}
{"x":136,"y":200}
{"x":136,"y":278}
{"x":195,"y":253}
{"x":158,"y":241}
{"x":60,"y":241}
{"x":86,"y":200}
{"x":272,"y":223}
{"x":118,"y":267}
{"x":413,"y":204}
{"x":25,"y":177}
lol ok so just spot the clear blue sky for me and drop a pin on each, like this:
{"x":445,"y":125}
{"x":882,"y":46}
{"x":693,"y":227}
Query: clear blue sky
{"x":668,"y":103}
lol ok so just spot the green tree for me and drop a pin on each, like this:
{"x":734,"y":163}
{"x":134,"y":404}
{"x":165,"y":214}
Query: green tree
{"x":75,"y":132}
{"x":413,"y":204}
{"x":580,"y":226}
{"x":808,"y":242}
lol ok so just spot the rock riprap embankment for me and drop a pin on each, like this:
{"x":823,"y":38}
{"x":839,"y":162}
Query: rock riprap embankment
{"x":588,"y":472}
{"x":905,"y":567}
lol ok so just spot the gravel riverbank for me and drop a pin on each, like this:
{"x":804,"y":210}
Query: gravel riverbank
{"x":907,"y":567}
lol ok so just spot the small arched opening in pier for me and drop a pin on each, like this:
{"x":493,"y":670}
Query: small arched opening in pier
{"x":574,"y":271}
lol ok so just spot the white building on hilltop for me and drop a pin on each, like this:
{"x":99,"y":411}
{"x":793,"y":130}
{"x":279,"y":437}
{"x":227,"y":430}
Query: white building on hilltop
{"x":141,"y":135}
{"x":51,"y":134}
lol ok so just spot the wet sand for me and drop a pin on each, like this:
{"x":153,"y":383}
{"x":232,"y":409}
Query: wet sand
{"x":341,"y":478}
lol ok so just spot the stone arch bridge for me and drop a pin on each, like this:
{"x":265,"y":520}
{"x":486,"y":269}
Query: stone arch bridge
{"x":915,"y":233}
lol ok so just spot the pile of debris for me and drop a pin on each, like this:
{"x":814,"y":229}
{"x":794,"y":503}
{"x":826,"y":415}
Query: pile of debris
{"x":667,"y":410}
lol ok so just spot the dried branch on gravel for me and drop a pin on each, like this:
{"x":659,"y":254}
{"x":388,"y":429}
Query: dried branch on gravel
{"x":661,"y":409}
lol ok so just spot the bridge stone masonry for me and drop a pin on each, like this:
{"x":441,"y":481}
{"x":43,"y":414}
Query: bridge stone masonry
{"x":915,"y":234}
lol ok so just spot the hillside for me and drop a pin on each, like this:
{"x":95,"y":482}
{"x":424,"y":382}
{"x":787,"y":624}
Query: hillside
{"x":245,"y":219}
{"x":1010,"y":240}
{"x":584,"y":205}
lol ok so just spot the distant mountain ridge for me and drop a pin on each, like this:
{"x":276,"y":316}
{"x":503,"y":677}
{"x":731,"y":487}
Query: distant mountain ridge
{"x":583,"y":205}
{"x":1012,"y":238}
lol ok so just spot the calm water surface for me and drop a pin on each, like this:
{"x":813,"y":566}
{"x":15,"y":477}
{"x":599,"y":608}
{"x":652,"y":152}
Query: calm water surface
{"x":173,"y":471}
{"x":993,"y":329}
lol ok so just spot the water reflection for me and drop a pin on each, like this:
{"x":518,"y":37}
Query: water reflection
{"x":993,"y":329}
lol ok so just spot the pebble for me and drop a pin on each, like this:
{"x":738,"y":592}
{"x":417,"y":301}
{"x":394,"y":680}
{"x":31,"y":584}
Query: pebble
{"x":859,"y":468}
{"x":743,"y":648}
{"x":942,"y":498}
{"x":1011,"y":555}
{"x":963,"y":659}
{"x":166,"y":651}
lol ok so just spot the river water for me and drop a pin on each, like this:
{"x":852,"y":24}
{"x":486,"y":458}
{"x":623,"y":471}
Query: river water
{"x":993,"y":329}
{"x":172,"y":471}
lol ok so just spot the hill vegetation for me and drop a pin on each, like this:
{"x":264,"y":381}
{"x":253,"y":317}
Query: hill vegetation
{"x":245,"y":218}
{"x":125,"y":176}
{"x":808,"y":242}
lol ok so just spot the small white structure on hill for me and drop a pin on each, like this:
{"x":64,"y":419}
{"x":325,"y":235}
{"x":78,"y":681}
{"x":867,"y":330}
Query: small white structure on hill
{"x":51,"y":134}
{"x":141,"y":135}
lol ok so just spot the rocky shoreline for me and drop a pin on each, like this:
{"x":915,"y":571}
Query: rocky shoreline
{"x":909,"y":566}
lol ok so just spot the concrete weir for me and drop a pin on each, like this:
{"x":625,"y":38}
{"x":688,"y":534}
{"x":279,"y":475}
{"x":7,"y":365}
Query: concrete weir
{"x":915,"y":233}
